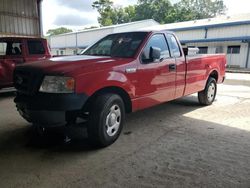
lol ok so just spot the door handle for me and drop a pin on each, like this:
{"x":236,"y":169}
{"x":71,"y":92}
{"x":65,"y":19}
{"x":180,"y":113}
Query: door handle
{"x":172,"y":67}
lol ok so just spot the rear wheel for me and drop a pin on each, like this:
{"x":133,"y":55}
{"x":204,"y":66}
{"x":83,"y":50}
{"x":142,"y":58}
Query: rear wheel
{"x":106,"y":120}
{"x":207,"y":96}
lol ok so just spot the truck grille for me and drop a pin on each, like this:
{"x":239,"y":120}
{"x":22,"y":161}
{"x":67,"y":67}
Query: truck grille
{"x":27,"y":80}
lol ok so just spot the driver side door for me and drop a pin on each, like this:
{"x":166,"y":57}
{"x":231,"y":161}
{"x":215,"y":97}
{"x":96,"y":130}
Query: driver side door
{"x":156,"y":78}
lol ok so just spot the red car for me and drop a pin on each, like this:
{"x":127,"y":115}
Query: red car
{"x":121,"y":73}
{"x":14,"y":51}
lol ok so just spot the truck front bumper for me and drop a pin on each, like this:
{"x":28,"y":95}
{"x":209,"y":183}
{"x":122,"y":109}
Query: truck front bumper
{"x":49,"y":110}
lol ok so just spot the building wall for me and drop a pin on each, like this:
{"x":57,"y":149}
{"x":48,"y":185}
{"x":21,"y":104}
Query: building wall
{"x":19,"y":18}
{"x":217,"y":33}
{"x":189,"y":35}
{"x":88,"y":38}
{"x":76,"y":41}
{"x":232,"y":31}
{"x":233,"y":60}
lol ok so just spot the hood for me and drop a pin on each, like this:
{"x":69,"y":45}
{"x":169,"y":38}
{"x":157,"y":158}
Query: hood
{"x":82,"y":63}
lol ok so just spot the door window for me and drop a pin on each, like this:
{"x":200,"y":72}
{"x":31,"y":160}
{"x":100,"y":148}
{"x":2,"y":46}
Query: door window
{"x":158,"y":41}
{"x":175,"y":49}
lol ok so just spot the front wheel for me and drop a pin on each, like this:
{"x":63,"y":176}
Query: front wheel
{"x":207,"y":96}
{"x":106,"y":119}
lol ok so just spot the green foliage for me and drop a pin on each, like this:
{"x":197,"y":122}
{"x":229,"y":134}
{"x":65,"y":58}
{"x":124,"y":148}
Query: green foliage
{"x":58,"y":31}
{"x":198,"y":9}
{"x":158,"y":10}
{"x":162,"y":11}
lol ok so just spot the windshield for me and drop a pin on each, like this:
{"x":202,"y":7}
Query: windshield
{"x":117,"y":45}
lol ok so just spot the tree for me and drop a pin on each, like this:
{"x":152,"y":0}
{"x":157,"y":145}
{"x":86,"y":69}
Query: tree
{"x":110,"y":15}
{"x":58,"y":31}
{"x":106,"y":11}
{"x":160,"y":10}
{"x":198,"y":9}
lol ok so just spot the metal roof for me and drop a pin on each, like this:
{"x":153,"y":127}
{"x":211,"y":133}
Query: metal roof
{"x":112,"y":26}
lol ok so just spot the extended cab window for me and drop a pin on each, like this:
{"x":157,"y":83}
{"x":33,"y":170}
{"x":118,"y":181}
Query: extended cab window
{"x":36,"y":47}
{"x":117,"y":45}
{"x":174,"y":46}
{"x":156,"y":41}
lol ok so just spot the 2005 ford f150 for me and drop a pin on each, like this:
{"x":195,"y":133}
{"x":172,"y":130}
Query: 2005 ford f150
{"x":121,"y":73}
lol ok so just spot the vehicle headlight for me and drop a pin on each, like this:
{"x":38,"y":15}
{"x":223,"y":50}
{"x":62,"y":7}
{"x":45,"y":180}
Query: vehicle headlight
{"x":57,"y":84}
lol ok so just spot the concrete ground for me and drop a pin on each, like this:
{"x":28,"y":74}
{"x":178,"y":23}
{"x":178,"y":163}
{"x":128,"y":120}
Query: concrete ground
{"x":177,"y":144}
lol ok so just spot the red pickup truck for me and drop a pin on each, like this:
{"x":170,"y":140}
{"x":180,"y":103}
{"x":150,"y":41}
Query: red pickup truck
{"x":16,"y":50}
{"x":121,"y":73}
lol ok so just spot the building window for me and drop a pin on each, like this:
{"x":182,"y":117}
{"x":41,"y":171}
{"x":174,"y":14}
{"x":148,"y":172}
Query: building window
{"x":61,"y":52}
{"x":219,"y":50}
{"x":75,"y":52}
{"x":233,"y":49}
{"x":203,"y":50}
{"x":57,"y":52}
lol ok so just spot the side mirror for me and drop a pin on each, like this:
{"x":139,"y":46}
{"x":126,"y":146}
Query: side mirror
{"x":154,"y":53}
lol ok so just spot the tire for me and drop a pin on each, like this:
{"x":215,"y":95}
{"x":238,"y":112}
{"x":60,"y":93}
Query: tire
{"x":207,"y":96}
{"x":106,"y":120}
{"x":38,"y":131}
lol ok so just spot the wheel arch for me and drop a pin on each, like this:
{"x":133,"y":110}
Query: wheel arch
{"x":111,"y":89}
{"x":214,"y":74}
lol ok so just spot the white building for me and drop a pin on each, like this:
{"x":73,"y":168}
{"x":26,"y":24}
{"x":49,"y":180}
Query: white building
{"x":224,"y":34}
{"x":73,"y":43}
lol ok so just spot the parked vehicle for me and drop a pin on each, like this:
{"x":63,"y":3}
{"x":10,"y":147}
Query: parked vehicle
{"x":14,"y":51}
{"x":121,"y":73}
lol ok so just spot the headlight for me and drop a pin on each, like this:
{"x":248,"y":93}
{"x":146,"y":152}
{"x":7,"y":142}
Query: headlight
{"x":57,"y":84}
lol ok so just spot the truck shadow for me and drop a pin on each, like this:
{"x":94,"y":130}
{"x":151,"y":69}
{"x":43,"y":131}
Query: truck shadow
{"x":54,"y":139}
{"x":7,"y":94}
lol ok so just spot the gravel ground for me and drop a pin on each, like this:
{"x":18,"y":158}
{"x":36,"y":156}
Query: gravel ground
{"x":176,"y":144}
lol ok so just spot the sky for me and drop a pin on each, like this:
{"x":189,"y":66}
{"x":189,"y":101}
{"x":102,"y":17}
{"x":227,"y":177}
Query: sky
{"x":78,"y":14}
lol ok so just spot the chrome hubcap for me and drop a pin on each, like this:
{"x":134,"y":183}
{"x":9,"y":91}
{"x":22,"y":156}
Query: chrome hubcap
{"x":211,"y":92}
{"x":113,"y":120}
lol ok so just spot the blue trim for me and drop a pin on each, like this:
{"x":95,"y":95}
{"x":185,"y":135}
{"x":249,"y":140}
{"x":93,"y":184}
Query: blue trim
{"x":212,"y":26}
{"x":243,"y":38}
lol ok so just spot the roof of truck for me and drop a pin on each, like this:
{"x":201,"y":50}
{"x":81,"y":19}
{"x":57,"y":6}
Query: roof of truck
{"x":21,"y":38}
